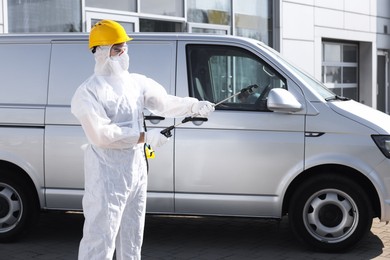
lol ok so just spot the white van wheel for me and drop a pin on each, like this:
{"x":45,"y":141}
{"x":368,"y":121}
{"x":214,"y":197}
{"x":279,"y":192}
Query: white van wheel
{"x":17,"y":210}
{"x":330,"y":213}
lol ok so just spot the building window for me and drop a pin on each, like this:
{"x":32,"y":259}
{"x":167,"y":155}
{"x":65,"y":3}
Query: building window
{"x":253,"y":19}
{"x":128,"y":26}
{"x":340,"y":68}
{"x":162,"y":7}
{"x":44,"y":16}
{"x":147,"y":25}
{"x":120,"y":5}
{"x":211,"y":12}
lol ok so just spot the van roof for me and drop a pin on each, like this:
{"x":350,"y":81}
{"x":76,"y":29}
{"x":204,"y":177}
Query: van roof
{"x":51,"y":37}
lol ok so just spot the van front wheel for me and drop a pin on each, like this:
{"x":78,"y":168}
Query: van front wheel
{"x":330,"y":213}
{"x":17,"y":209}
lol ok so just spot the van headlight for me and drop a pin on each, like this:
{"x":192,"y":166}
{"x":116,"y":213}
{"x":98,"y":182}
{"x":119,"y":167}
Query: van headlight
{"x":383,"y":143}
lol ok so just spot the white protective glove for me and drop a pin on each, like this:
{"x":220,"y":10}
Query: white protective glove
{"x":154,"y":138}
{"x":202,"y":108}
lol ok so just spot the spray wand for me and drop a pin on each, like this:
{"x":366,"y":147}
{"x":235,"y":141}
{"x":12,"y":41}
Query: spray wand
{"x":245,"y":91}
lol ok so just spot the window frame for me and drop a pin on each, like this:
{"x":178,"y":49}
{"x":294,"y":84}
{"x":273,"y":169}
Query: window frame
{"x":210,"y":89}
{"x":100,"y":14}
{"x":343,"y":65}
{"x":217,"y":27}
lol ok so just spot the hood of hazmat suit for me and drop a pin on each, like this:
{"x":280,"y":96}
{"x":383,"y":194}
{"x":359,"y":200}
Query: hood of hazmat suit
{"x":109,"y":106}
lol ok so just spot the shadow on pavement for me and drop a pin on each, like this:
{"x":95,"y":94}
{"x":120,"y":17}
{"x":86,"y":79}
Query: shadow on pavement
{"x":57,"y":236}
{"x":168,"y":237}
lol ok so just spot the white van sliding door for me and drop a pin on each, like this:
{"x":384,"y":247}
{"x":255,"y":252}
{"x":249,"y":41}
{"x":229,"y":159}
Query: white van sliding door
{"x":72,"y":63}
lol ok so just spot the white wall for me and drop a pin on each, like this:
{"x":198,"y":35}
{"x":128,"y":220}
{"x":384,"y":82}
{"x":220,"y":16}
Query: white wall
{"x":2,"y":16}
{"x":383,"y":9}
{"x":305,"y":23}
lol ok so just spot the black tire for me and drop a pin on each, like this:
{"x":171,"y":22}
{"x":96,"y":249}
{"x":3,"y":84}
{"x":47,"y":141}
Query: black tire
{"x":18,"y":210}
{"x":330,"y":213}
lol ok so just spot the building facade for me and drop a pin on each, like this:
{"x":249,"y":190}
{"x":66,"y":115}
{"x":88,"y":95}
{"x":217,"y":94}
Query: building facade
{"x":343,"y":43}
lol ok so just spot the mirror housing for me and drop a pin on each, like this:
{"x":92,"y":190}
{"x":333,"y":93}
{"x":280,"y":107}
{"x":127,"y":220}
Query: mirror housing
{"x":280,"y":100}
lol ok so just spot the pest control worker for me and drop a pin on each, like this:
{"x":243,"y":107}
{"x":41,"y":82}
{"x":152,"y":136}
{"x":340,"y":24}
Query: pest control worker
{"x":109,"y":106}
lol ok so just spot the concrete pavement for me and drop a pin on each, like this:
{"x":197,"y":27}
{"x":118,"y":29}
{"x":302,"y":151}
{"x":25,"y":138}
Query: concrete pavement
{"x":166,"y":237}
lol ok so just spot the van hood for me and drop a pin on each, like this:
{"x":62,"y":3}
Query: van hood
{"x":365,"y":115}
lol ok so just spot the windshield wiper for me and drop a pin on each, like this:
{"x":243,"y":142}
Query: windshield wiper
{"x":337,"y":97}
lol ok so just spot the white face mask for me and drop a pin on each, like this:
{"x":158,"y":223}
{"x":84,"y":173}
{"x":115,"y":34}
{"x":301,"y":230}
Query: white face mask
{"x":119,"y":63}
{"x":106,"y":65}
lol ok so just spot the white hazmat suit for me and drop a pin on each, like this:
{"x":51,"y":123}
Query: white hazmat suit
{"x":109,"y":106}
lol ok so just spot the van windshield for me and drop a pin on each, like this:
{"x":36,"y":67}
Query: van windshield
{"x":315,"y":85}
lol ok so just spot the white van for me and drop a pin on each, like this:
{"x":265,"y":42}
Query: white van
{"x":292,"y":147}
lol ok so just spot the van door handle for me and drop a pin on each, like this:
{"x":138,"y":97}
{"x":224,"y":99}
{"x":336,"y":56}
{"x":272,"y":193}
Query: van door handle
{"x":195,"y":120}
{"x":314,"y":134}
{"x":154,"y":119}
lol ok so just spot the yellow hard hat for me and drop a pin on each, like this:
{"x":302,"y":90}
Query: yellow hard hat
{"x":107,"y":32}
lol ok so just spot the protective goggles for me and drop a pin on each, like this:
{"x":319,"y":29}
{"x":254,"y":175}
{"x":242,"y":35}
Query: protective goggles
{"x":118,"y":49}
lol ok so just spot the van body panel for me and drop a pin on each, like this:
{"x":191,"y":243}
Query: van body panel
{"x":14,"y":141}
{"x":22,"y":115}
{"x":157,"y":60}
{"x":64,"y":157}
{"x":161,"y":170}
{"x":380,"y":176}
{"x":60,"y":115}
{"x":333,"y":138}
{"x":160,"y":202}
{"x":64,"y":137}
{"x":372,"y":118}
{"x":217,"y":170}
{"x":228,"y":204}
{"x":355,"y":154}
{"x":64,"y":199}
{"x":67,"y":72}
{"x":329,"y":121}
{"x":24,"y":72}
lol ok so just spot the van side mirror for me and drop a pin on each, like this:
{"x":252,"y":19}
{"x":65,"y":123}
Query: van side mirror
{"x":280,"y":100}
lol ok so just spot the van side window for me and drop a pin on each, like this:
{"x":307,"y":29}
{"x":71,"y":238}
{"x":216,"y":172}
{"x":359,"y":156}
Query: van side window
{"x":217,"y":72}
